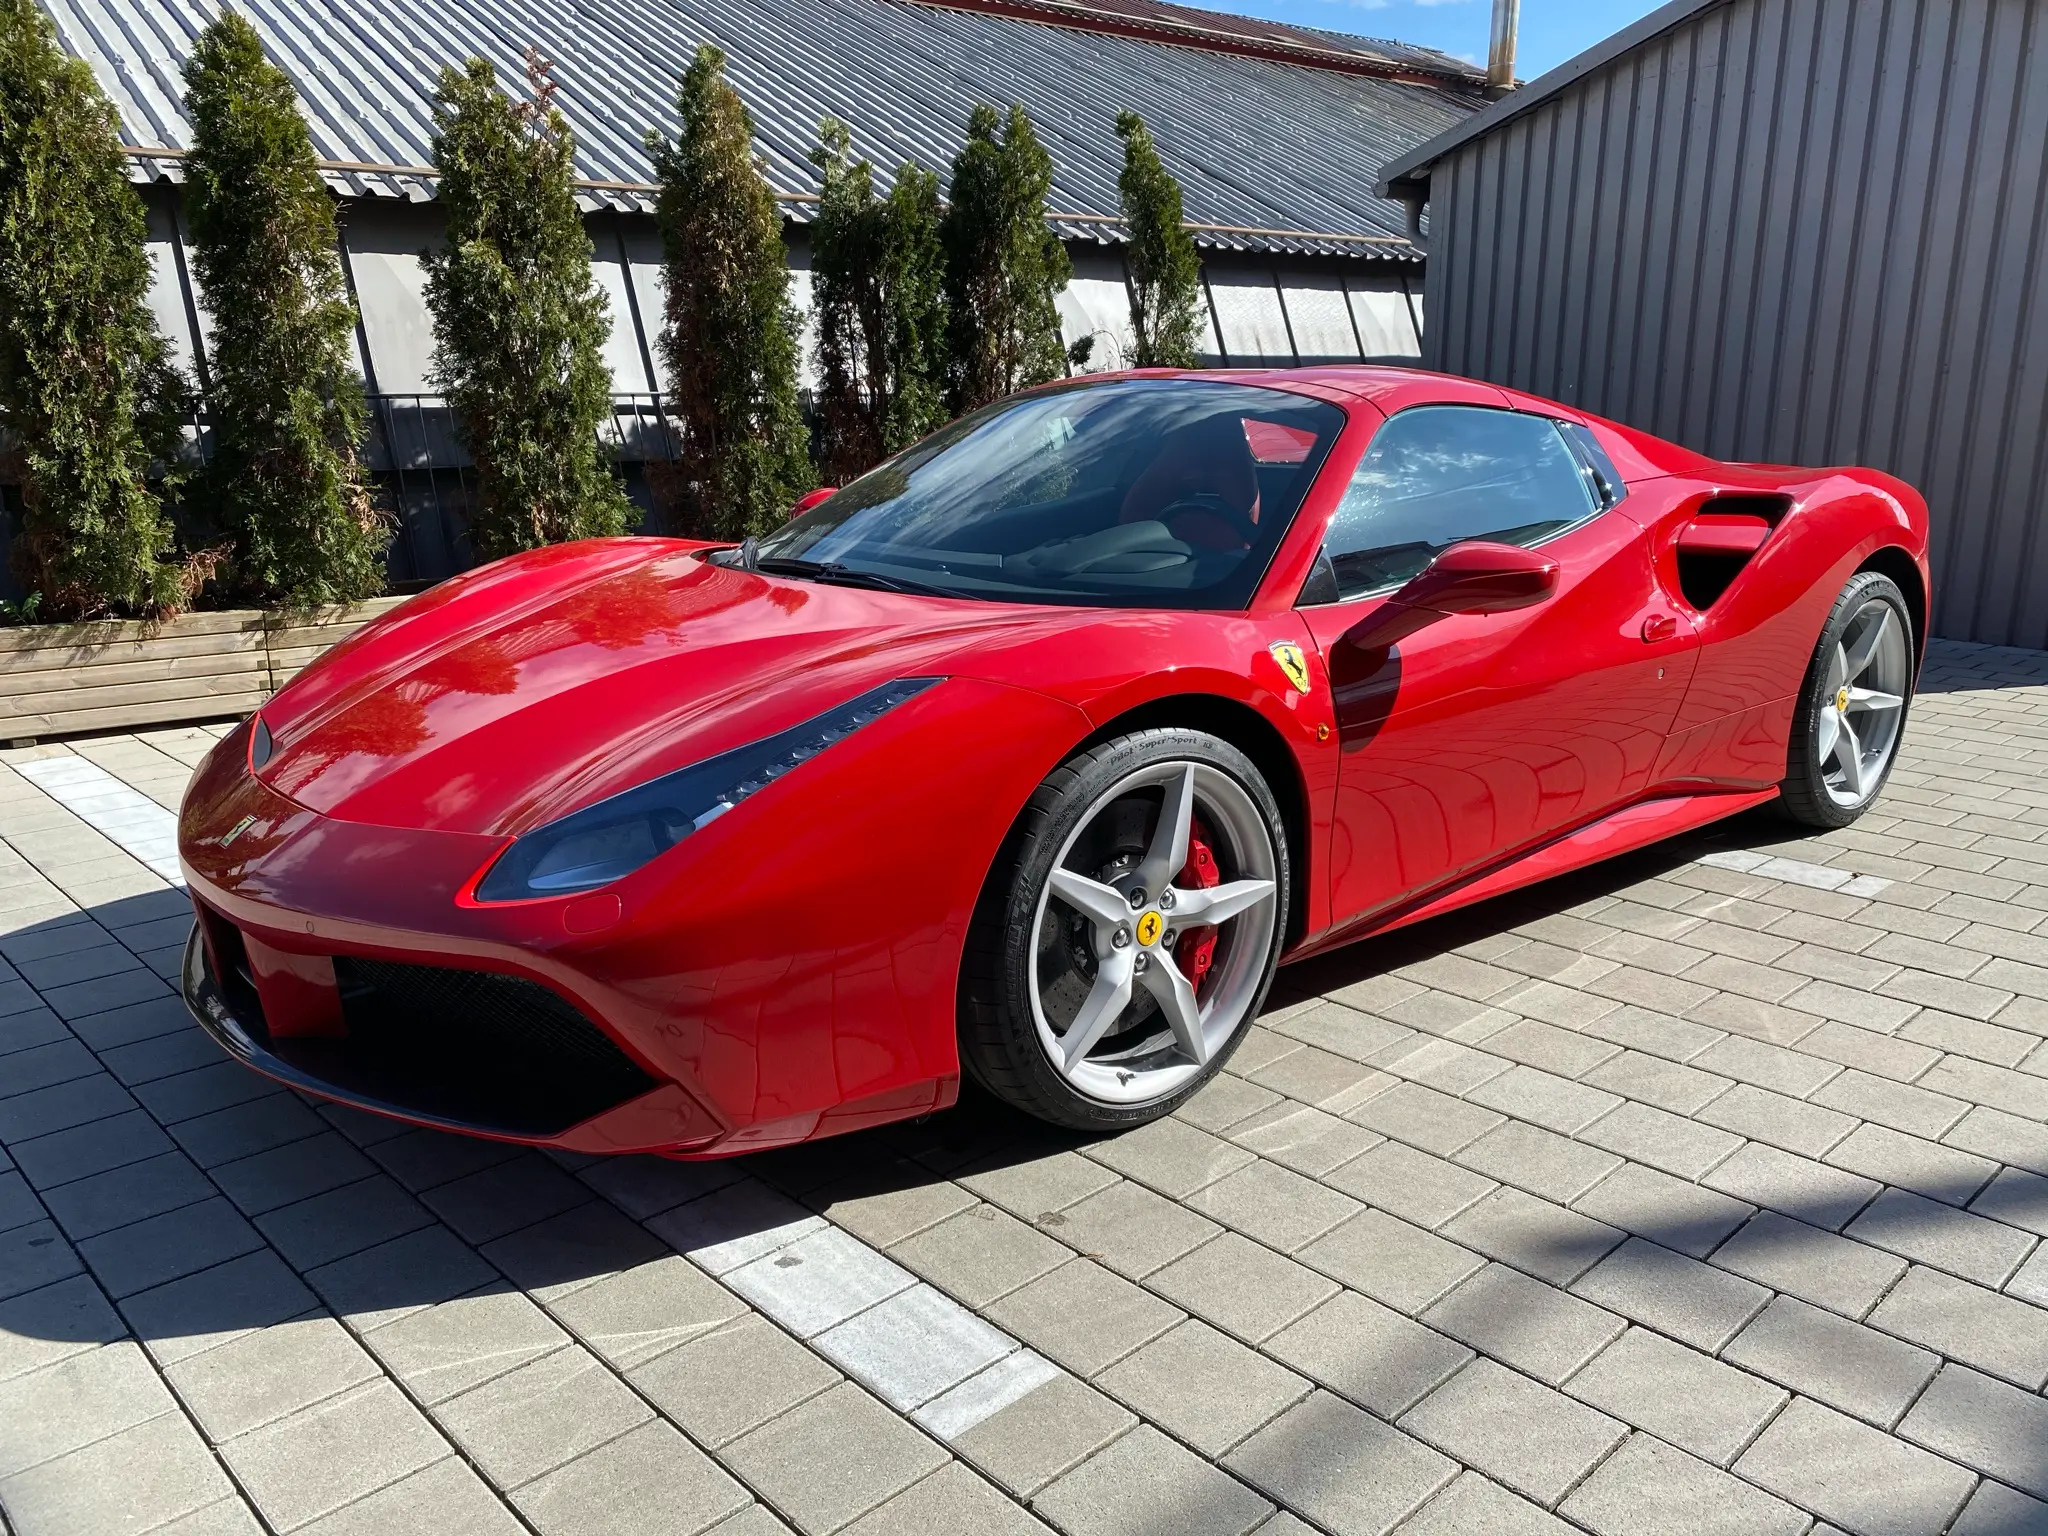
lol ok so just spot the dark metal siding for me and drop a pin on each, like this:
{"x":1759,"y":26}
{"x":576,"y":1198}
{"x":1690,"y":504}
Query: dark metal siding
{"x":1791,"y":231}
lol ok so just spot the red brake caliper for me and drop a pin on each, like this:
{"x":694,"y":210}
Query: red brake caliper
{"x":1195,"y":951}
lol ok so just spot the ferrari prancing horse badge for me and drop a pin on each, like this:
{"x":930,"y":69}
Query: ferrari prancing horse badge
{"x":1293,"y":663}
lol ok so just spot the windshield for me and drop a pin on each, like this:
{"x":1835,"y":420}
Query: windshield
{"x":1155,"y":493}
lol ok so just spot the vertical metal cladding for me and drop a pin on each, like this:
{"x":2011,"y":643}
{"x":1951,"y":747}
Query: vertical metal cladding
{"x":1791,"y":231}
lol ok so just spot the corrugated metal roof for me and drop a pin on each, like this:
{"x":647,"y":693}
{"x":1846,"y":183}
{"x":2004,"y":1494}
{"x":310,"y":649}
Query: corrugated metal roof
{"x":1283,"y":150}
{"x":1160,"y":20}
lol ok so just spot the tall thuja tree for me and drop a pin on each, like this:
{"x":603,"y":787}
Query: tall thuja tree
{"x":85,"y":390}
{"x":1166,"y":274}
{"x":847,"y":299}
{"x":914,"y":260}
{"x":286,"y":478}
{"x":876,"y":281}
{"x":729,"y":334}
{"x":1003,"y":265}
{"x":519,"y":321}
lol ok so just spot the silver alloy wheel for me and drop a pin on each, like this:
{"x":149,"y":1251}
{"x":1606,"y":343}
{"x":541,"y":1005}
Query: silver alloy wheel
{"x":1139,"y":1032}
{"x":1856,"y":727}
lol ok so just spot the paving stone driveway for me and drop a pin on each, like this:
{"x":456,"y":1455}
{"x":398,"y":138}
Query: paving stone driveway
{"x":1700,"y":1193}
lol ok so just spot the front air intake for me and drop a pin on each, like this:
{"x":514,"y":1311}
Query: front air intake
{"x":499,"y":1052}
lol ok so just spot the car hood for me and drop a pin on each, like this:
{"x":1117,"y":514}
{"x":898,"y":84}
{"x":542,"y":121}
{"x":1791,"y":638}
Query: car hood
{"x":532,"y":687}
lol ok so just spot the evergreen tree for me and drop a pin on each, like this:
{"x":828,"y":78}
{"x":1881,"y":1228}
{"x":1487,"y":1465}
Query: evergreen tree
{"x":519,"y":320}
{"x":876,"y":276}
{"x":1166,"y":274}
{"x":1003,"y":266}
{"x":285,"y":402}
{"x":915,"y":263}
{"x":85,"y":390}
{"x":846,"y":297}
{"x":729,"y":334}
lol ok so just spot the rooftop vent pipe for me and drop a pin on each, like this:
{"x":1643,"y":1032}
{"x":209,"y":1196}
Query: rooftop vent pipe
{"x":1500,"y":59}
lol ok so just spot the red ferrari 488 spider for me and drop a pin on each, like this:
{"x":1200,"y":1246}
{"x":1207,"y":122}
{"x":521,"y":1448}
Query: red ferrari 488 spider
{"x":1031,"y":753}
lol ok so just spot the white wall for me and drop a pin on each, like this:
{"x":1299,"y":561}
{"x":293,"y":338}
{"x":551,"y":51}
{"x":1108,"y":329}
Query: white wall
{"x":1097,"y":304}
{"x":1272,"y":312}
{"x":1249,"y":313}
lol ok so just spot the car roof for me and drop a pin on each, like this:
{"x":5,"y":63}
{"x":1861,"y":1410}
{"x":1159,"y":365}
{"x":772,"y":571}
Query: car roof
{"x":1376,"y":383}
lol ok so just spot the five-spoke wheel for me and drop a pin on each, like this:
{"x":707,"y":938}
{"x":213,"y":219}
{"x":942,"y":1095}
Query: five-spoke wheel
{"x":1141,"y":920}
{"x":1853,"y":710}
{"x":1169,"y":964}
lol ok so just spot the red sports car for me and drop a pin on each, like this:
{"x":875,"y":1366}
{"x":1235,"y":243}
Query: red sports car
{"x":1032,"y":752}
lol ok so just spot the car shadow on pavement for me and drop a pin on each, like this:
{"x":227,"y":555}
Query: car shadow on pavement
{"x":207,"y":1199}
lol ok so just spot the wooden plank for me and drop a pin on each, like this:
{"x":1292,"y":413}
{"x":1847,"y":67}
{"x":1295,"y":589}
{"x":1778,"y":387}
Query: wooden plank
{"x":97,"y":674}
{"x":321,"y":636}
{"x":62,"y":700}
{"x":126,"y":716}
{"x":329,"y":633}
{"x":340,"y":613}
{"x":57,"y":679}
{"x":63,"y":658}
{"x":297,"y":658}
{"x":28,"y":637}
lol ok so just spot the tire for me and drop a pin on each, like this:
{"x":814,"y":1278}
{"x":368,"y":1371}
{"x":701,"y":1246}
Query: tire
{"x":1854,"y":701}
{"x":1044,"y":967}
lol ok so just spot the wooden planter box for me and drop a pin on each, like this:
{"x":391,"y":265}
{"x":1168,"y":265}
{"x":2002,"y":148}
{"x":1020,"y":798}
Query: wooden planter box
{"x":65,"y":679}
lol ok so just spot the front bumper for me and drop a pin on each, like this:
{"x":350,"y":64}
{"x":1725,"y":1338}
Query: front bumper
{"x":386,"y":1073}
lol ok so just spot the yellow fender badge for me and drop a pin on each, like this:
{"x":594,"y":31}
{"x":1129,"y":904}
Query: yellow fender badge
{"x":1294,"y":664}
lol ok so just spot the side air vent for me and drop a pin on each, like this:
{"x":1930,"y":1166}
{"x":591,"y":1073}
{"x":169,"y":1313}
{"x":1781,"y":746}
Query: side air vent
{"x":1722,"y":538}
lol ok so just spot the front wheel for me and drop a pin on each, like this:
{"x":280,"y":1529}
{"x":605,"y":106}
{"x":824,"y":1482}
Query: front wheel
{"x":1129,"y":931}
{"x":1852,"y":709}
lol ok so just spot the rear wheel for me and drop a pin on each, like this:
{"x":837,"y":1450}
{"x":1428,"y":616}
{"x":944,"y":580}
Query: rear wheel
{"x":1852,"y":710}
{"x":1129,"y":932}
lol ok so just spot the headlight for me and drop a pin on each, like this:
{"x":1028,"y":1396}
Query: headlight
{"x":260,"y":745}
{"x":602,"y":842}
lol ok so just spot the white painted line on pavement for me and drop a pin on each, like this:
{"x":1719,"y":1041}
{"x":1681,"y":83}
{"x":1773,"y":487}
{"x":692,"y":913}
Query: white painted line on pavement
{"x":735,"y":1225}
{"x":819,"y":1281}
{"x":125,"y":817}
{"x":1009,"y":1380}
{"x":913,"y":1346}
{"x":1820,"y":877}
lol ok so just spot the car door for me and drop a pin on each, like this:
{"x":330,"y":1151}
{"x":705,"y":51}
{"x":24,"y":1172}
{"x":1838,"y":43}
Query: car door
{"x":1484,"y":734}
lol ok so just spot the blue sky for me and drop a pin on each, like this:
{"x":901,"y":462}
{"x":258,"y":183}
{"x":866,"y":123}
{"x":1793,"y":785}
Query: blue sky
{"x":1552,"y":30}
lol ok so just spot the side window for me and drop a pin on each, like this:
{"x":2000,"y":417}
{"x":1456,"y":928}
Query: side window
{"x":1440,"y":474}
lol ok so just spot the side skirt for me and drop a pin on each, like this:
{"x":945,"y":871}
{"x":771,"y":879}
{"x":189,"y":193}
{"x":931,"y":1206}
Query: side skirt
{"x":1623,"y":831}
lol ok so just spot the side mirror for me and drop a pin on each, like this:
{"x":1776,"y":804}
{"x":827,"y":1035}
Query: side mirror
{"x":1473,"y":577}
{"x":810,"y":499}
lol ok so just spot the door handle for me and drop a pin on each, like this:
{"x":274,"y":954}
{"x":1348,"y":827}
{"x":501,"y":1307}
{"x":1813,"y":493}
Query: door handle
{"x":1659,"y":626}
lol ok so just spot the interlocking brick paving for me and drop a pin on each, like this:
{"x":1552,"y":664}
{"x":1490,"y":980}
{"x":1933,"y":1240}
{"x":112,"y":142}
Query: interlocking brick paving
{"x":1702,"y":1192}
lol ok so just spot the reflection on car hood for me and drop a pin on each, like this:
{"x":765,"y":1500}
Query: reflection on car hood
{"x":523,"y":690}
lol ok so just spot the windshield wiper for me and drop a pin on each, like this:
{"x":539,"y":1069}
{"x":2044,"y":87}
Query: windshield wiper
{"x":845,"y":575}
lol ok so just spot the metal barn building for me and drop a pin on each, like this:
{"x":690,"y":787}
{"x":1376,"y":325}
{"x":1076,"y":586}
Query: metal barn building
{"x":1274,"y":132}
{"x":1793,"y":231}
{"x":1780,"y":230}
